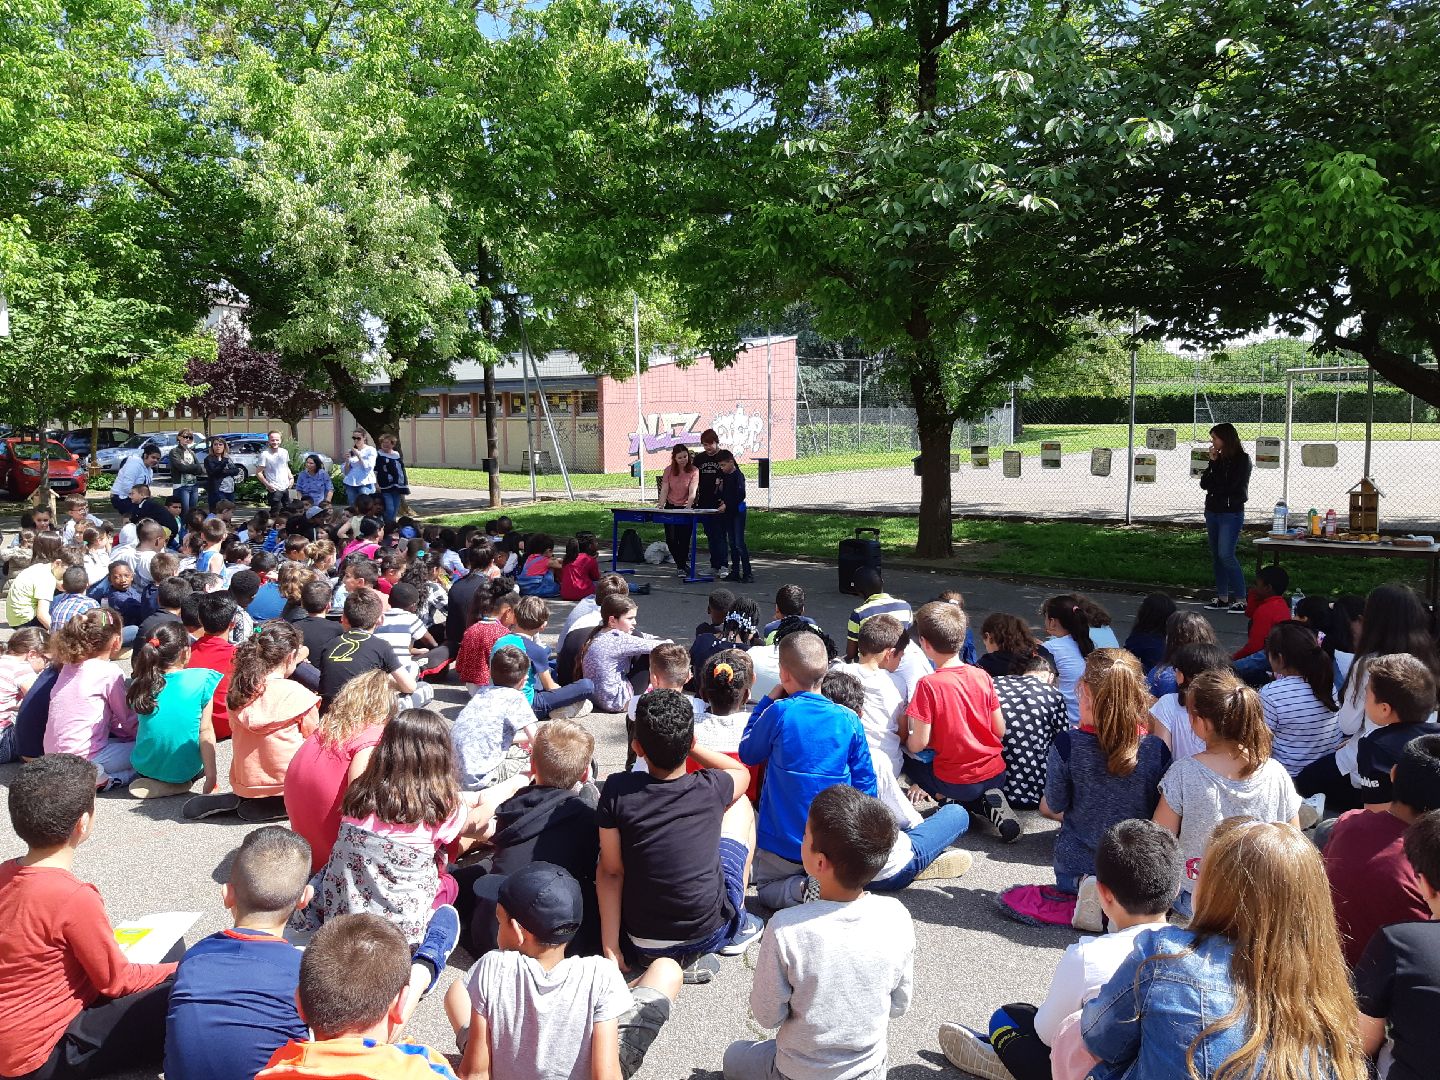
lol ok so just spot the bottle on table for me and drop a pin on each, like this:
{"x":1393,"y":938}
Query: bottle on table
{"x":1331,"y":528}
{"x":1312,"y":521}
{"x":1281,"y":522}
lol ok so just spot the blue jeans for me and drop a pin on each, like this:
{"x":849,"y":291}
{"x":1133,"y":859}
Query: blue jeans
{"x":127,"y":635}
{"x":546,"y":700}
{"x":733,"y":855}
{"x":124,"y":507}
{"x":929,"y":839}
{"x":717,"y":535}
{"x":739,"y":550}
{"x":354,"y":491}
{"x":189,"y":495}
{"x":1223,"y":532}
{"x":392,"y":501}
{"x":1254,"y":669}
{"x":968,"y":795}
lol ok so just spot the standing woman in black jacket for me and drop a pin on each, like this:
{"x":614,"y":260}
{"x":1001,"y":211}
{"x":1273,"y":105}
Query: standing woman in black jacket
{"x":1226,"y":481}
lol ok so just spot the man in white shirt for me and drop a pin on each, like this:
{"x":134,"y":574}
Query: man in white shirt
{"x":137,"y":470}
{"x":275,"y":473}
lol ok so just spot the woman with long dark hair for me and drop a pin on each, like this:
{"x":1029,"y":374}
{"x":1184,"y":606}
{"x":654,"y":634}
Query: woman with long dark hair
{"x":679,"y":486}
{"x":1226,"y":482}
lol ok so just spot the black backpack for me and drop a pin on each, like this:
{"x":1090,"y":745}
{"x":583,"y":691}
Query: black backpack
{"x":632,"y":548}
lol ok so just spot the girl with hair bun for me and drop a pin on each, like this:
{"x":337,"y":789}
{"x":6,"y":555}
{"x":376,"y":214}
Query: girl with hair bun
{"x":89,"y":715}
{"x":175,"y":742}
{"x":725,"y":685}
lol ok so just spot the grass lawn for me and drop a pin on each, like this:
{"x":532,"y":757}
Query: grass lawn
{"x":1165,"y":558}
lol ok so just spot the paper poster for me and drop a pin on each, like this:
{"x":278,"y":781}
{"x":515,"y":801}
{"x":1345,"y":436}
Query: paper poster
{"x":1100,"y":461}
{"x":146,"y":940}
{"x":1323,"y":455}
{"x":1267,"y":452}
{"x":1199,"y":459}
{"x":1144,"y":468}
{"x":1010,"y":464}
{"x":1050,"y":455}
{"x":1160,"y":438}
{"x":980,"y":456}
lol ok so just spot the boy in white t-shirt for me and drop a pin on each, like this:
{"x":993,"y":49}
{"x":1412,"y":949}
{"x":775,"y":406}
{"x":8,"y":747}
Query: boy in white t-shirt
{"x":879,"y":653}
{"x":1138,"y":868}
{"x":1172,"y":719}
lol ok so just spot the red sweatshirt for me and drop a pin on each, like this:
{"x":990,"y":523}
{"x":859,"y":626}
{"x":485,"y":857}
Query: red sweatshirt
{"x":1263,"y":616}
{"x":57,"y":955}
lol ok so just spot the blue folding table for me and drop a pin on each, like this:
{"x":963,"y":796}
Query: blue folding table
{"x":651,"y":515}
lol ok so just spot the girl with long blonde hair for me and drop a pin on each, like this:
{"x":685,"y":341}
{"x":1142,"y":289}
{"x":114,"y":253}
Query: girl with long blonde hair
{"x":1254,"y":989}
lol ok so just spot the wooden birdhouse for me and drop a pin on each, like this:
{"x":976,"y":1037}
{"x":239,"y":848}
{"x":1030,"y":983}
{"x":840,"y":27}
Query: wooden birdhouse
{"x":1365,"y":507}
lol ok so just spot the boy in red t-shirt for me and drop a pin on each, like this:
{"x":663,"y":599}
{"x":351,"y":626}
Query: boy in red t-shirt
{"x":73,"y":1005}
{"x":955,"y":726}
{"x":214,"y":651}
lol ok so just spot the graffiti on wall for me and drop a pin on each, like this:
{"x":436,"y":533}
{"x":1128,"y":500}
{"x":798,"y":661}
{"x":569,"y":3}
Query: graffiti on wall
{"x":740,"y":431}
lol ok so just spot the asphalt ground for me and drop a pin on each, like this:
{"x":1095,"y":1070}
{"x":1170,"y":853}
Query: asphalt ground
{"x":969,"y":959}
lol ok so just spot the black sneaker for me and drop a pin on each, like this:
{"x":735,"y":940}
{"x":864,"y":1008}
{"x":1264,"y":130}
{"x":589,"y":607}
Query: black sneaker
{"x":203,"y":806}
{"x":256,"y":811}
{"x":1216,"y":604}
{"x":1238,"y":607}
{"x":999,"y":814}
{"x":701,"y":970}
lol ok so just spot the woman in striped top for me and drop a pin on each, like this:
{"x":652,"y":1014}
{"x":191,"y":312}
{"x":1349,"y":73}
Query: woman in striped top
{"x":1300,"y":704}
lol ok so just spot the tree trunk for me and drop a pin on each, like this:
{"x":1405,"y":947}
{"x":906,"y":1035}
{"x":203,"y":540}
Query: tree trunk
{"x":934,"y":423}
{"x":375,"y":411}
{"x":94,"y":434}
{"x":492,"y":440}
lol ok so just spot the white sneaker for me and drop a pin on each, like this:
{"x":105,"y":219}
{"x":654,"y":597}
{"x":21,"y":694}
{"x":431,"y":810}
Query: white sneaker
{"x":1312,"y":810}
{"x":971,"y":1054}
{"x":571,"y":711}
{"x":1088,"y":914}
{"x":951,"y":863}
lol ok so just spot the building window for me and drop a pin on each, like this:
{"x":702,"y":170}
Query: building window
{"x":589,"y":402}
{"x":561,"y":404}
{"x":460,"y":406}
{"x":429,"y":406}
{"x":324,"y":412}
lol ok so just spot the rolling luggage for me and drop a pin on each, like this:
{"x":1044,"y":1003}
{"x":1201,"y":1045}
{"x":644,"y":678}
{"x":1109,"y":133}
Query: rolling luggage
{"x":856,"y":552}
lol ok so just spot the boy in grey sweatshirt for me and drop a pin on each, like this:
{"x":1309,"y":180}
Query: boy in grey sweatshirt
{"x":831,"y":973}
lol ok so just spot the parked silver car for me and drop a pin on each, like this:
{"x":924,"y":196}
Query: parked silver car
{"x":110,"y":460}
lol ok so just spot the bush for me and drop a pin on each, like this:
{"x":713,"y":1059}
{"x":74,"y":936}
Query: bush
{"x":100,"y":481}
{"x":1169,"y":403}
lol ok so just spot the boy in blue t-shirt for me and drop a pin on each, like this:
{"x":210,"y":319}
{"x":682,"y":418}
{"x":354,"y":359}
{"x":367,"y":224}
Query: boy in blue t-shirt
{"x":807,"y":743}
{"x":546,"y":696}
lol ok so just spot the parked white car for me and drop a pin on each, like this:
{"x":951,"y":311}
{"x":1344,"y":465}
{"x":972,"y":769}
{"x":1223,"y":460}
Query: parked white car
{"x":245,"y":451}
{"x":111,"y":459}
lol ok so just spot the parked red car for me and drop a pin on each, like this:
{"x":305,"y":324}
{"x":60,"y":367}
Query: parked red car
{"x":21,"y":462}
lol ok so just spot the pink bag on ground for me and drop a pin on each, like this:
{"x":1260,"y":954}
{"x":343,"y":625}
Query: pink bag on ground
{"x":1038,"y":905}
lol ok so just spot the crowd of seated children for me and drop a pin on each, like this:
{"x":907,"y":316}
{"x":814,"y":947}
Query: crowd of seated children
{"x":1146,"y":640}
{"x":1169,"y":717}
{"x":1400,"y":703}
{"x":1181,"y":629}
{"x":545,"y":695}
{"x":610,"y":652}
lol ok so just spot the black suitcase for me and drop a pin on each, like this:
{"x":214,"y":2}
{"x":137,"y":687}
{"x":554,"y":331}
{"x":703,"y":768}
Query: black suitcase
{"x":857,"y":552}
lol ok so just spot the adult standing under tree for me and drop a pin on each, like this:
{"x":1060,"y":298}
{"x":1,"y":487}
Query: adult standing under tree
{"x":275,"y":473}
{"x":390,"y":476}
{"x":359,"y":472}
{"x":707,"y":497}
{"x":220,"y":473}
{"x":679,"y":484}
{"x":186,"y":472}
{"x":1226,"y":482}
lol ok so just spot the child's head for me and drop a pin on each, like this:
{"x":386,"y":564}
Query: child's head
{"x":364,"y":701}
{"x":359,"y":573}
{"x":879,"y":638}
{"x":1400,"y":690}
{"x":321,"y":555}
{"x":120,"y":576}
{"x":77,"y":507}
{"x":848,"y":837}
{"x":539,"y":907}
{"x":411,"y":778}
{"x":30,"y":642}
{"x":1415,"y":778}
{"x":725,"y":681}
{"x":1224,"y":712}
{"x":1139,"y":862}
{"x":1195,"y":659}
{"x":404,"y":596}
{"x":1186,"y":628}
{"x":275,"y":646}
{"x":74,"y":580}
{"x":1155,"y":611}
{"x":263,"y":563}
{"x":669,"y":666}
{"x":315,"y":597}
{"x":48,"y":548}
{"x":539,"y":544}
{"x":1293,"y":648}
{"x":52,"y":801}
{"x":1271,"y":580}
{"x":1064,"y":617}
{"x":845,"y":690}
{"x":213,"y":530}
{"x":509,"y":667}
{"x":940,"y":629}
{"x":867,"y":582}
{"x":1002,"y":632}
{"x":789,"y":600}
{"x":244,"y":586}
{"x":531,"y":614}
{"x":217,"y":612}
{"x":166,"y":649}
{"x":618,"y":613}
{"x":664,"y":728}
{"x":93,"y":634}
{"x":291,"y":581}
{"x":717,"y":605}
{"x":1115,"y":702}
{"x":363,"y":609}
{"x":1422,"y":848}
{"x":270,"y":875}
{"x":742,"y":621}
{"x":150,"y":536}
{"x":561,"y":753}
{"x":802,"y":663}
{"x":295,"y":546}
{"x":615,"y":585}
{"x":353,"y":977}
{"x":164,"y":566}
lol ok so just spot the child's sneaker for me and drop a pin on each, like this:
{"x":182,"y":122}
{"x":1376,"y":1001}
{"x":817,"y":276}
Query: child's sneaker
{"x":971,"y":1054}
{"x":204,"y":806}
{"x":1216,"y":604}
{"x":1312,"y":810}
{"x":441,"y":936}
{"x":811,"y":891}
{"x":1238,"y":607}
{"x":1088,"y":914}
{"x":751,"y":927}
{"x":258,"y":811}
{"x":569,"y":712}
{"x":951,"y":863}
{"x":999,"y":814}
{"x":701,"y":970}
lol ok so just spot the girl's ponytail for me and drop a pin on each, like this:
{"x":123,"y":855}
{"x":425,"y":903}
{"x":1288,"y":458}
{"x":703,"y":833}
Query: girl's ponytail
{"x":269,"y":647}
{"x":1071,"y":617}
{"x":1119,"y":704}
{"x":1234,"y":713}
{"x":151,"y":659}
{"x":1297,"y":647}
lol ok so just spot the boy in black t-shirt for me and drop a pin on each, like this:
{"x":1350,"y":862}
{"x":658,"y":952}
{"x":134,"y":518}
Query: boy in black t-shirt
{"x":357,"y":650}
{"x":1398,"y":979}
{"x":1399,"y":699}
{"x":660,"y":880}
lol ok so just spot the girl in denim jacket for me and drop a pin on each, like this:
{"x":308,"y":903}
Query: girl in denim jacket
{"x":1256,"y":987}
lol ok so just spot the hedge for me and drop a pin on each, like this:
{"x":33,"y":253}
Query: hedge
{"x":1172,"y":404}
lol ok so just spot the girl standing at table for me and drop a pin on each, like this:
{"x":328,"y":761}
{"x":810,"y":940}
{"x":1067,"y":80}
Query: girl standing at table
{"x":679,"y":484}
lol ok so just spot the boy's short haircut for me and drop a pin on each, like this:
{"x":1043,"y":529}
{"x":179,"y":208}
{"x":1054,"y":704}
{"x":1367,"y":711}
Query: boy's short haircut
{"x":854,"y":831}
{"x":362,"y":569}
{"x":270,"y":872}
{"x":316,"y":597}
{"x":611,"y":585}
{"x":75,"y":579}
{"x":844,"y":689}
{"x":804,"y":657}
{"x":1403,"y":682}
{"x":217,"y":612}
{"x":148,"y":531}
{"x":225,"y":506}
{"x":76,"y":502}
{"x":1140,"y":862}
{"x":531,"y":613}
{"x":718,"y":603}
{"x":363,"y":609}
{"x":867,"y":582}
{"x":790,"y":600}
{"x":1422,"y":847}
{"x":262,"y":562}
{"x":164,"y":566}
{"x":295,"y":543}
{"x":48,"y":796}
{"x":664,"y":728}
{"x":561,"y":753}
{"x":878,"y":634}
{"x":670,"y":662}
{"x":350,"y":974}
{"x":1276,"y":578}
{"x":172,"y":592}
{"x":243,"y":587}
{"x":213,"y":530}
{"x":404,"y":596}
{"x":71,"y":555}
{"x":394,"y":561}
{"x":190,"y":610}
{"x":942,"y":625}
{"x":1417,"y":775}
{"x":509,"y":667}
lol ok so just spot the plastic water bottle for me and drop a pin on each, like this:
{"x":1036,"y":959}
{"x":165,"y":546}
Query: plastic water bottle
{"x":1295,"y":599}
{"x":1281,"y":522}
{"x":1330,"y":526}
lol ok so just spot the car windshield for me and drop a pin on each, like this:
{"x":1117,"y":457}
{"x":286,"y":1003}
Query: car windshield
{"x":135,"y":442}
{"x":34,"y":451}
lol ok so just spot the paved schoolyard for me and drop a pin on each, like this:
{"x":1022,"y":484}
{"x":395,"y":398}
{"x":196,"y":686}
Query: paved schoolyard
{"x":144,"y":858}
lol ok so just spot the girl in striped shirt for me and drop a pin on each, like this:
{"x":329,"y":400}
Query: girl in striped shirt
{"x":1300,"y":704}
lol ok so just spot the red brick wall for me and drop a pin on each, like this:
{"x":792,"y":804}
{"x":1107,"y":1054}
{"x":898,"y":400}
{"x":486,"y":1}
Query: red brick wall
{"x":680,"y":403}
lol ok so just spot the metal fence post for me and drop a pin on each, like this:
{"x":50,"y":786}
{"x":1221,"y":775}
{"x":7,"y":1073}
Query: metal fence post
{"x":1130,"y":433}
{"x":859,"y":403}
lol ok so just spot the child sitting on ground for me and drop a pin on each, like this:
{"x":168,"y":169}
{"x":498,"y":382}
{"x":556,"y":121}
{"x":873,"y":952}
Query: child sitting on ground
{"x":1267,"y":608}
{"x":1400,"y":703}
{"x":493,"y":732}
{"x":1170,"y":719}
{"x":1137,"y":868}
{"x":1034,"y":713}
{"x":580,"y":571}
{"x":955,"y":712}
{"x":358,"y":650}
{"x":74,"y":1006}
{"x":1371,"y":882}
{"x":832,"y":973}
{"x":175,"y":739}
{"x":537,"y":573}
{"x":492,"y":614}
{"x":546,"y":696}
{"x":724,"y":689}
{"x":212,"y":649}
{"x":610,"y":651}
{"x":789,"y":604}
{"x":23,"y":661}
{"x":879,"y":648}
{"x":1300,"y":704}
{"x":1234,"y":775}
{"x":89,"y":715}
{"x":674,"y":847}
{"x":806,"y":743}
{"x":529,"y":994}
{"x":233,"y":1004}
{"x":717,"y":606}
{"x":72,"y":599}
{"x":669,"y":670}
{"x":358,"y":987}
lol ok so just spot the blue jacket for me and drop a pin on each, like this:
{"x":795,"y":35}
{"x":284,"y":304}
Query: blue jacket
{"x":808,"y":743}
{"x":732,"y":491}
